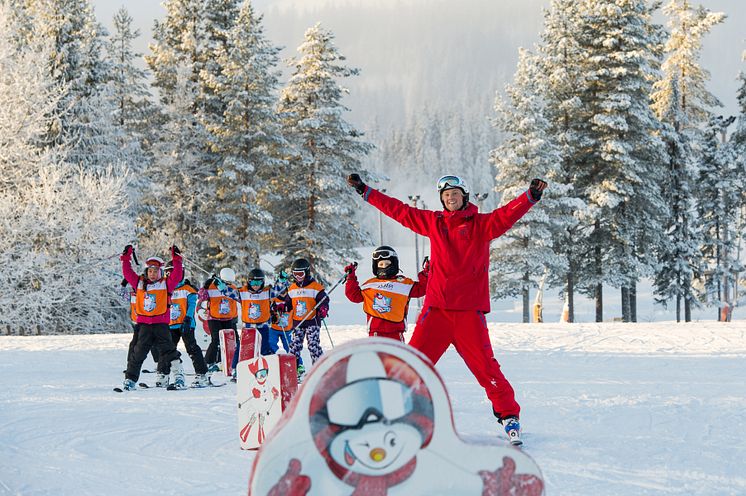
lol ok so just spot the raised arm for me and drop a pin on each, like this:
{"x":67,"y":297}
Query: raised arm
{"x":352,"y":287}
{"x":410,"y":217}
{"x":420,"y":287}
{"x":127,"y":271}
{"x":177,"y":274}
{"x":500,"y":220}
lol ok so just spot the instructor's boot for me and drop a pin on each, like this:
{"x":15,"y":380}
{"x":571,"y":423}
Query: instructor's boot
{"x":129,"y":385}
{"x":513,"y":429}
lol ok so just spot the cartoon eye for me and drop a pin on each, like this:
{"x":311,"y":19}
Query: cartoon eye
{"x":390,"y":439}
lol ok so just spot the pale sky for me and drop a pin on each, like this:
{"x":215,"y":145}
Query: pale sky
{"x":492,"y":31}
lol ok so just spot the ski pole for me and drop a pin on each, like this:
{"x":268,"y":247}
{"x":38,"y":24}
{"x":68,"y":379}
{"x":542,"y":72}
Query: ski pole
{"x":193,"y":264}
{"x":326,"y":297}
{"x":327,"y":332}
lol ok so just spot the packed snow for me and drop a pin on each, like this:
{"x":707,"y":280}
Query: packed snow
{"x":608,"y":409}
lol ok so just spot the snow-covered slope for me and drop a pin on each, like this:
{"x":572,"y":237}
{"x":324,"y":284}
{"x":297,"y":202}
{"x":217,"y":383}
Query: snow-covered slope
{"x":608,"y":409}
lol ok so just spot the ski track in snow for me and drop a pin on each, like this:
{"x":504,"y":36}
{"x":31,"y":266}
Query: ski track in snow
{"x":608,"y":409}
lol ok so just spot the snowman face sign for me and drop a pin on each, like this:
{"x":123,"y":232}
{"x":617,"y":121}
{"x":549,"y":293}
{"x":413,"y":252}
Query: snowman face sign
{"x":373,"y":418}
{"x":372,"y":440}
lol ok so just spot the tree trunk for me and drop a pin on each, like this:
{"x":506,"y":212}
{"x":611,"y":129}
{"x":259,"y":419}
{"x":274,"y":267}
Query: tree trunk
{"x":599,"y":286}
{"x":687,"y":310}
{"x":526,"y":302}
{"x":633,"y":302}
{"x":625,"y":304}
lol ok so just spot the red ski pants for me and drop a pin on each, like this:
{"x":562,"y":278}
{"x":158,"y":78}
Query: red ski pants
{"x":437,"y":328}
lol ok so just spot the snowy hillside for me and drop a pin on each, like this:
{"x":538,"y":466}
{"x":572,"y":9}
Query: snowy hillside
{"x":608,"y":409}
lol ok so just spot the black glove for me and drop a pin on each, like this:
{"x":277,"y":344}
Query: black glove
{"x":187,"y":325}
{"x":536,"y":188}
{"x":357,"y":183}
{"x":127,"y":250}
{"x":175,"y":250}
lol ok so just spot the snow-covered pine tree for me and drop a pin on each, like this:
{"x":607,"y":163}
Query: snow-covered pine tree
{"x":85,"y":123}
{"x":248,"y":140}
{"x":130,"y":94}
{"x":319,"y":208}
{"x":679,"y":256}
{"x":180,"y":204}
{"x":719,"y":186}
{"x":684,"y":81}
{"x":61,"y":222}
{"x":619,"y":172}
{"x":562,"y":61}
{"x":523,"y":254}
{"x":738,"y":141}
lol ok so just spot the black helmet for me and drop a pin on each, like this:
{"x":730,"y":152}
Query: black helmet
{"x":301,"y":265}
{"x":256,"y":275}
{"x":385,"y":253}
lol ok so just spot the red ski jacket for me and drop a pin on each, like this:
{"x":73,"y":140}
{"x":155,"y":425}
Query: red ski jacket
{"x":459,"y":246}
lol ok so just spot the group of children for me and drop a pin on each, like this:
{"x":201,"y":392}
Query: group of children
{"x":163,"y":303}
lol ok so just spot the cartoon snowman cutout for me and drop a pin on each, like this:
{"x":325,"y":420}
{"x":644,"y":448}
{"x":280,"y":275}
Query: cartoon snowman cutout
{"x":374,"y":419}
{"x":261,"y":400}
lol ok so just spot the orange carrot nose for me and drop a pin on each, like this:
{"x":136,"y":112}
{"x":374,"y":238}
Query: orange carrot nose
{"x":377,"y":454}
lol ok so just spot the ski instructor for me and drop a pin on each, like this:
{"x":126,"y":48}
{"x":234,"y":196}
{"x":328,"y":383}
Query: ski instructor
{"x":457,"y":296}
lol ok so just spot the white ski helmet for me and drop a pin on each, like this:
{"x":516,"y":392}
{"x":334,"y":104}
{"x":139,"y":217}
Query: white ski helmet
{"x":227,"y":274}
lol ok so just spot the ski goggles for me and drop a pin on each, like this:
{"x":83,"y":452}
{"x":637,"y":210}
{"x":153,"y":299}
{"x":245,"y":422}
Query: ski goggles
{"x":299,"y":273}
{"x":261,"y":374}
{"x":448,"y":182}
{"x":369,"y":400}
{"x":256,"y":282}
{"x":379,"y":254}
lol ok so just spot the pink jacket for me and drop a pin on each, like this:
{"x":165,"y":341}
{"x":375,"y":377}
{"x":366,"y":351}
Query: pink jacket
{"x":173,"y":280}
{"x":459,"y":245}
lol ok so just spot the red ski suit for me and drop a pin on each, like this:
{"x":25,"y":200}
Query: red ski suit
{"x":458,"y":294}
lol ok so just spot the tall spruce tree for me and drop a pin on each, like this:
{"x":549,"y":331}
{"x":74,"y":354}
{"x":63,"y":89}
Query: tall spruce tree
{"x":248,"y":140}
{"x":179,"y":206}
{"x":720,"y":186}
{"x":134,"y":112}
{"x":618,"y":173}
{"x":681,"y":100}
{"x":562,"y":64}
{"x":526,"y":252}
{"x":319,"y":207}
{"x":77,"y":62}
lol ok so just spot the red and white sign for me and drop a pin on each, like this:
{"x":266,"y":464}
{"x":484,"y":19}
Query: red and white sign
{"x":373,"y":417}
{"x":227,"y":349}
{"x":251,"y":344}
{"x":264,"y":387}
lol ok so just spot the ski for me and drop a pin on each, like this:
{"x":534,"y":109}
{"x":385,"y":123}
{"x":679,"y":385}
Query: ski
{"x":147,"y":371}
{"x":174,"y":387}
{"x":141,"y":385}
